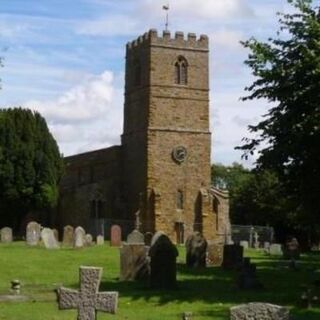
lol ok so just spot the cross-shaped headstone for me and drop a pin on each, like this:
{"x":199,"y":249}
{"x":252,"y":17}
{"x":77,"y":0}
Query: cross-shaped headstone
{"x":88,"y":300}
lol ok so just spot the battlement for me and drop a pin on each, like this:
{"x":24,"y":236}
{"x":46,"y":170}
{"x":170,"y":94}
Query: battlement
{"x":152,"y":38}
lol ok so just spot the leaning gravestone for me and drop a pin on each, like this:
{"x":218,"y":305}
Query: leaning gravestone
{"x":100,"y":240}
{"x":6,"y":235}
{"x":163,"y":256}
{"x":135,"y":237}
{"x":134,"y":262}
{"x":68,"y":236}
{"x":196,"y":247}
{"x":116,"y":238}
{"x":232,"y":256}
{"x":88,"y":300}
{"x":48,"y":239}
{"x":89,"y":240}
{"x":259,"y":311}
{"x":214,"y":254}
{"x":33,"y":233}
{"x":79,"y":238}
{"x":275,"y":249}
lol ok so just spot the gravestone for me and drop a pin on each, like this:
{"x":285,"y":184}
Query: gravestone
{"x":232,"y":256}
{"x":33,"y":233}
{"x":48,"y":239}
{"x":6,"y":235}
{"x":116,"y":238}
{"x":244,"y":244}
{"x":79,"y":238}
{"x":56,"y":234}
{"x":134,"y":262}
{"x":89,"y":240}
{"x":88,"y":300}
{"x":100,"y":240}
{"x":68,"y":236}
{"x":291,"y":249}
{"x":196,"y":247}
{"x":135,"y":237}
{"x":266,"y":245}
{"x":259,"y":311}
{"x":148,"y":238}
{"x":275,"y":249}
{"x":256,"y":243}
{"x":163,"y":256}
{"x":248,"y":276}
{"x":214,"y":254}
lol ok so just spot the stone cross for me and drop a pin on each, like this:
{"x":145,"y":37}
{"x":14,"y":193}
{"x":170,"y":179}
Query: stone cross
{"x":137,"y":222}
{"x":88,"y":300}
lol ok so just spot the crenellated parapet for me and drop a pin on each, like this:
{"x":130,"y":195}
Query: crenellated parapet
{"x":167,"y":40}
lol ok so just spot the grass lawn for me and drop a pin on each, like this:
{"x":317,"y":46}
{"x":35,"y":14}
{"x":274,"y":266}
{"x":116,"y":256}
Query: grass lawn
{"x":208,"y":293}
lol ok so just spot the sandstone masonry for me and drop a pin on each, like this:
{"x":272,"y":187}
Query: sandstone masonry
{"x":162,"y":167}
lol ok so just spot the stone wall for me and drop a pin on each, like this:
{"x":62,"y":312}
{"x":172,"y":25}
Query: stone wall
{"x":90,"y":176}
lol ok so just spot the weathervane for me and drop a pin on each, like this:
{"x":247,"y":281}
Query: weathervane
{"x":166,"y":8}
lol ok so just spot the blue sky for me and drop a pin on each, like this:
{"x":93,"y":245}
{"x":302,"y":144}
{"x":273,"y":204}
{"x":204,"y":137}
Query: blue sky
{"x":65,"y":58}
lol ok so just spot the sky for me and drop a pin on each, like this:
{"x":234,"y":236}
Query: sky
{"x":65,"y":59}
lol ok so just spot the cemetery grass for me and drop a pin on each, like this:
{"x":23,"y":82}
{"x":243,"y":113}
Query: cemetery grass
{"x":208,"y":293}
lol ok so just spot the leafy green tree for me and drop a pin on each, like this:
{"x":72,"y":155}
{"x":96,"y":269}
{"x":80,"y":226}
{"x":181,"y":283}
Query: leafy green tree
{"x":30,"y":165}
{"x":287,"y":140}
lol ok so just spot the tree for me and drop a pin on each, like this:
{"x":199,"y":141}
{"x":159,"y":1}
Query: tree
{"x":287,"y":140}
{"x":30,"y":165}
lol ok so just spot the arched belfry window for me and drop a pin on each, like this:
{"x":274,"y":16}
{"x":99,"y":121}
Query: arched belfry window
{"x":179,"y":199}
{"x":181,"y":71}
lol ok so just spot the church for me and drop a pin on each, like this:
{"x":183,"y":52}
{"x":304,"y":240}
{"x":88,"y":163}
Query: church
{"x":159,"y":178}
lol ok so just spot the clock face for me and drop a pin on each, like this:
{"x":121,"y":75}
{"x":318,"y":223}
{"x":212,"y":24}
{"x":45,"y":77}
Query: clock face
{"x":179,"y":154}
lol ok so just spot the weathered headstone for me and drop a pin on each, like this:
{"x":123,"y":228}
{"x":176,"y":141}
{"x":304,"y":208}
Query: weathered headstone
{"x":259,"y":311}
{"x":88,"y":300}
{"x":56,"y":234}
{"x":291,"y":249}
{"x":100,"y":240}
{"x":89,"y":240}
{"x":196,"y":247}
{"x":248,"y":277}
{"x":79,"y":237}
{"x":275,"y":249}
{"x":148,"y":238}
{"x":48,"y":239}
{"x":232,"y":256}
{"x":214,"y":254}
{"x":6,"y":235}
{"x":33,"y":233}
{"x":135,"y":237}
{"x":68,"y":236}
{"x":256,"y":243}
{"x":244,"y":244}
{"x":116,"y":237}
{"x":134,"y":262}
{"x":163,"y":256}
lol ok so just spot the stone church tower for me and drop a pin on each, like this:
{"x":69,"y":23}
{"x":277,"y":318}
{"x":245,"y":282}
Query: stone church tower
{"x":166,"y":139}
{"x":162,"y":168}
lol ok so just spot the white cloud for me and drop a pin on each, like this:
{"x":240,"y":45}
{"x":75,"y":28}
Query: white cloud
{"x":227,"y":38}
{"x":86,"y":117}
{"x":84,"y":102}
